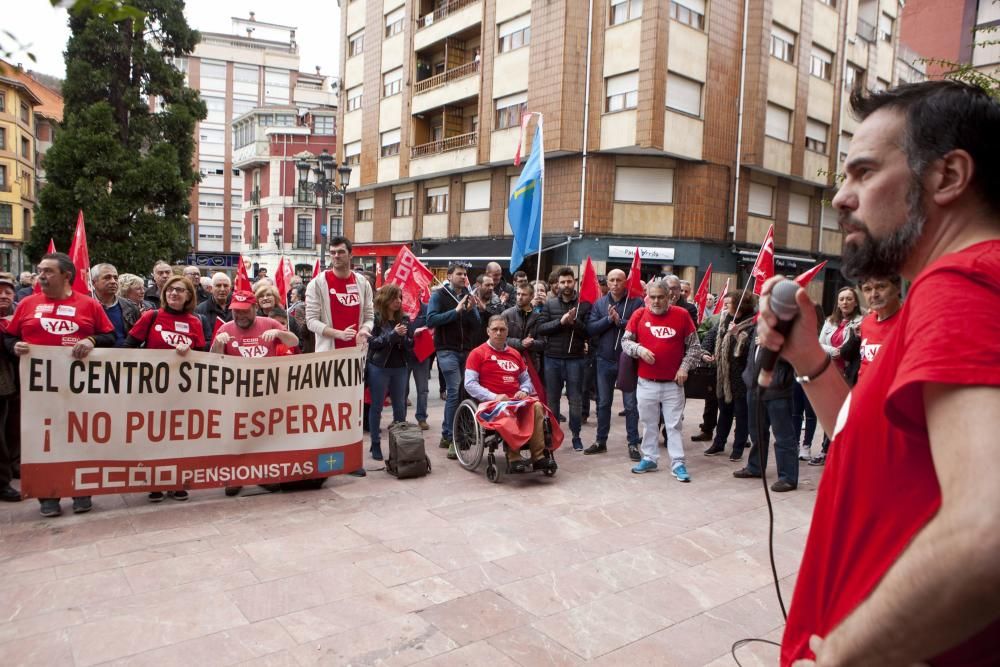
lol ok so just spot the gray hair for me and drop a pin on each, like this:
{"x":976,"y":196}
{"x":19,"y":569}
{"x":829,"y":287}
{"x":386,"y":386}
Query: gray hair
{"x":127,"y":281}
{"x":659,"y":284}
{"x":97,"y":269}
{"x":216,"y":276}
{"x":669,"y":278}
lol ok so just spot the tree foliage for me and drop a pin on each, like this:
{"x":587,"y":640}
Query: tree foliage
{"x":126,"y":165}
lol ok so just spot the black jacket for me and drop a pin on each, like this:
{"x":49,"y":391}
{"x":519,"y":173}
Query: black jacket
{"x":563,"y":341}
{"x":782,"y":383}
{"x":452,"y":331}
{"x":209,"y":312}
{"x":606,"y":337}
{"x":386,"y":348}
{"x":691,"y":308}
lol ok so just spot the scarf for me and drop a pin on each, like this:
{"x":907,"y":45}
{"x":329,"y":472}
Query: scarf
{"x":732,"y":345}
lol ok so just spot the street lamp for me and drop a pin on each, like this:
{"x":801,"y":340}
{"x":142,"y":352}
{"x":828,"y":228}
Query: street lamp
{"x":324,"y":167}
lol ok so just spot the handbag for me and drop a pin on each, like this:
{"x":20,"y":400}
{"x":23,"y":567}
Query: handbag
{"x":700,"y":382}
{"x":628,"y":373}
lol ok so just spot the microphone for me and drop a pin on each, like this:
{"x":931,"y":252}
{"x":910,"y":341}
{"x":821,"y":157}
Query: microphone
{"x":786,"y":309}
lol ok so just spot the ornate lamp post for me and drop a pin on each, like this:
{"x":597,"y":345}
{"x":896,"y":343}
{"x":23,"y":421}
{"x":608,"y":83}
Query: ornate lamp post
{"x":324,"y":168}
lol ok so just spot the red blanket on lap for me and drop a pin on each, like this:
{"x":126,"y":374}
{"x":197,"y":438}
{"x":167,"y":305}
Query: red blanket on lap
{"x":515,"y":420}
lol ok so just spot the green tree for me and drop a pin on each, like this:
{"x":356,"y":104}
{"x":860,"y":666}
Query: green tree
{"x":124,"y":151}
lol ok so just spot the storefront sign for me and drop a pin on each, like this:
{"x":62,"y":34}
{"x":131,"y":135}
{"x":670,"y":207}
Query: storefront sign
{"x":627,"y":251}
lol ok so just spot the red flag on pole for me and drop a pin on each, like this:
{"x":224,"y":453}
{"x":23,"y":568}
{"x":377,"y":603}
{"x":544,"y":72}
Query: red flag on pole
{"x":701,"y":296}
{"x":634,"y":280}
{"x":242,"y":279}
{"x":763,"y":268}
{"x":413,"y":277}
{"x":722,"y":295}
{"x":590,"y":290}
{"x":283,"y":279}
{"x":316,"y":269}
{"x":37,"y":289}
{"x":81,"y":258}
{"x":525,"y":119}
{"x":805,"y":278}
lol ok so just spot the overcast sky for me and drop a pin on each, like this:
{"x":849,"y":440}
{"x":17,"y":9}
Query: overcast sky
{"x":44,"y":30}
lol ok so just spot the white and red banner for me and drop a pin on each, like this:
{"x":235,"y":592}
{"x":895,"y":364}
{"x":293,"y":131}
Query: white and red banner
{"x":413,"y":277}
{"x":763,"y":268}
{"x":130,"y":421}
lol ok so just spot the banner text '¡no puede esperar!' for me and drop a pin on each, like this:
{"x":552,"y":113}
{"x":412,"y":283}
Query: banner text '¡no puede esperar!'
{"x":134,"y":377}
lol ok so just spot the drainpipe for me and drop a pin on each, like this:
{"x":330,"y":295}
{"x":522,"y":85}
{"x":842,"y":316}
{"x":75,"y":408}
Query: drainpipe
{"x":739,"y":120}
{"x":586,"y":126}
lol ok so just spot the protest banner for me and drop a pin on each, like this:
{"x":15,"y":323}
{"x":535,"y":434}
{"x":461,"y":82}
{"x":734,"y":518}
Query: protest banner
{"x":127,"y":421}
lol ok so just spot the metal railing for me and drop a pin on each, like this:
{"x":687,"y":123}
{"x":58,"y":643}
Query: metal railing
{"x":443,"y":11}
{"x":305,"y":196}
{"x":244,"y":43}
{"x":866,"y":31}
{"x":453,"y":74}
{"x":255,"y":197}
{"x":444,"y":145}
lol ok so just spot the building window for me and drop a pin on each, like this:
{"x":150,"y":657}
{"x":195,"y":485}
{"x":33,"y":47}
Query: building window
{"x":402,"y":206}
{"x":885,"y":25}
{"x":437,"y":200}
{"x":3,"y":138}
{"x":644,"y":185}
{"x":394,"y":22}
{"x":817,"y":135}
{"x":821,"y":63}
{"x":352,"y":153}
{"x":356,"y":44}
{"x":477,"y":196}
{"x":829,"y":3}
{"x":845,"y":145}
{"x":366,"y":209}
{"x":336,"y":225}
{"x":354,"y":97}
{"x":683,"y":94}
{"x":625,"y":10}
{"x":782,"y":43}
{"x":3,"y":178}
{"x":798,"y":209}
{"x":689,"y":12}
{"x":25,"y":184}
{"x":778,"y":122}
{"x":622,"y":92}
{"x":392,"y":82}
{"x":760,"y":200}
{"x":510,"y":109}
{"x":25,"y":148}
{"x":6,"y":219}
{"x":854,"y":77}
{"x":390,"y":143}
{"x":514,"y":33}
{"x":304,"y":233}
{"x":325,"y":125}
{"x":25,"y":114}
{"x":3,"y":102}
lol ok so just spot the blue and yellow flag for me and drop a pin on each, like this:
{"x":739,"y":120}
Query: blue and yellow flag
{"x":525,"y":209}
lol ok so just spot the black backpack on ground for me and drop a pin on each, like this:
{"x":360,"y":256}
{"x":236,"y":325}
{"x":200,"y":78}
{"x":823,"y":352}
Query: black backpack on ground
{"x":407,"y":456}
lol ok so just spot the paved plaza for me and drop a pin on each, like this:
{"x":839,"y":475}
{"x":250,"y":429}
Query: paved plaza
{"x":594,"y":566}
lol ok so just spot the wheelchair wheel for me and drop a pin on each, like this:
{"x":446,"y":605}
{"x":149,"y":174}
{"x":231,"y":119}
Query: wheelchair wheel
{"x":468,"y":436}
{"x":494,"y":469}
{"x":549,"y":472}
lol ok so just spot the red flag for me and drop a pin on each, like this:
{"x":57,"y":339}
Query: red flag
{"x":242,"y":279}
{"x":37,"y":289}
{"x":316,"y":269}
{"x":514,"y":420}
{"x":423,"y":344}
{"x":634,"y":281}
{"x":701,"y":296}
{"x":590,"y":290}
{"x":413,"y":277}
{"x":722,"y":295}
{"x":763,"y":268}
{"x":378,"y":273}
{"x":283,"y":279}
{"x":807,"y":277}
{"x":525,"y":119}
{"x":536,"y":381}
{"x":81,"y":258}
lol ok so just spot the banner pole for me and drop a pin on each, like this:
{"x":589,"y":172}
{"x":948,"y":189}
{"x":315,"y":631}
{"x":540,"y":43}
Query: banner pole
{"x":541,"y":214}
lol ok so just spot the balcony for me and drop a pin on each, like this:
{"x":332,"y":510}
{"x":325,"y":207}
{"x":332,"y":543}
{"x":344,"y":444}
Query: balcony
{"x":255,"y":197}
{"x":866,"y":31}
{"x":305,"y":197}
{"x":444,"y":145}
{"x":446,"y":20}
{"x":453,"y":74}
{"x":443,"y":11}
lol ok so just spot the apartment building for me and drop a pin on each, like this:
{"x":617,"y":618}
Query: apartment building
{"x":963,"y":32}
{"x":660,"y":130}
{"x":257,"y":65}
{"x":18,"y":189}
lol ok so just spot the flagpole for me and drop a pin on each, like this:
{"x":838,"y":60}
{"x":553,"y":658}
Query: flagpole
{"x":541,"y":214}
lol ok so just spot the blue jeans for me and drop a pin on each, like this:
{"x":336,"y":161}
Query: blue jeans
{"x":569,"y":372}
{"x":607,"y":374}
{"x":452,"y":366}
{"x":421,"y":371}
{"x":729,"y":412}
{"x":802,"y":408}
{"x":378,"y":380}
{"x":778,"y":420}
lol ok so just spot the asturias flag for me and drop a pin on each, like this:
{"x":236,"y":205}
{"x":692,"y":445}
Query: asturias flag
{"x":525,"y":209}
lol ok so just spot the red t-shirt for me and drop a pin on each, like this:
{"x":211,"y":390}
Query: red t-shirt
{"x":664,"y":336}
{"x":873,"y":335}
{"x":248,"y":343}
{"x":169,"y":330}
{"x":498,"y":371}
{"x":345,"y":305}
{"x":879,"y":486}
{"x":40,"y":320}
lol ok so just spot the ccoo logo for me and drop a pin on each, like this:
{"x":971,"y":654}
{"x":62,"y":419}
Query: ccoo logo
{"x":59,"y":327}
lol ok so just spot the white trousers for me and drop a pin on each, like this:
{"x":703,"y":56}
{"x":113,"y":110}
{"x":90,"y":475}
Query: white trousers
{"x":655,"y":398}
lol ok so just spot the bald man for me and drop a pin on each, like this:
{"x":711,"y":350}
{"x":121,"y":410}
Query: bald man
{"x":503,"y":289}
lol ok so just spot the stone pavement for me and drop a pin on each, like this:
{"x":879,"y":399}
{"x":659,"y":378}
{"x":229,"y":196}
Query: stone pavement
{"x":595,"y":565}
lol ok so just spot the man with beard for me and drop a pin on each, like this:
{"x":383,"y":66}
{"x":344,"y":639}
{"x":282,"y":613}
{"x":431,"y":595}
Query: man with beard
{"x":900,"y":566}
{"x":884,"y":301}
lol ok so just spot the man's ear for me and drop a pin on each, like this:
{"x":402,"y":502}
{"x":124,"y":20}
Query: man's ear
{"x":949,"y":177}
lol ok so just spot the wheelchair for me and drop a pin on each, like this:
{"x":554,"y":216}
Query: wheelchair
{"x":472,"y":441}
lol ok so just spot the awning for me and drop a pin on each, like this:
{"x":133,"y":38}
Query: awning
{"x":377,"y":249}
{"x":481,"y":250}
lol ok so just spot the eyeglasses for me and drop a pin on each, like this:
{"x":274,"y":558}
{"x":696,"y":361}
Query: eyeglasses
{"x":176,"y":290}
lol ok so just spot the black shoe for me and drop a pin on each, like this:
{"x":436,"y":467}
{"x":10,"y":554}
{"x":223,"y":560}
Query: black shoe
{"x":634,"y":453}
{"x":544,"y":464}
{"x":50,"y":507}
{"x":704,"y":436}
{"x":155,"y":497}
{"x":596,"y":448}
{"x":82,"y":505}
{"x":736,"y":458}
{"x":376,"y":452}
{"x":621,"y":413}
{"x":781,"y":486}
{"x":9,"y":494}
{"x":715,"y":450}
{"x":15,"y":471}
{"x":233,"y":490}
{"x":360,"y":472}
{"x":517,"y":466}
{"x":562,"y":420}
{"x":445,"y":443}
{"x":743,"y":473}
{"x":179,"y":496}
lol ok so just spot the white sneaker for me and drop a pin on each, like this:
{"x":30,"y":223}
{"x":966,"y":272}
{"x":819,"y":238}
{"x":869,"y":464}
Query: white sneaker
{"x":804,"y":453}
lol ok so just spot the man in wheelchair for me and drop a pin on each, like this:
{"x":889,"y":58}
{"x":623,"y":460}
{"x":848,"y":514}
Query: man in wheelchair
{"x":496,"y":376}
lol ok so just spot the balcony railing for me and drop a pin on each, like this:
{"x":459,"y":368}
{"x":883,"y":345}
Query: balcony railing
{"x":866,"y":31}
{"x":453,"y":74}
{"x":305,"y":196}
{"x":443,"y":11}
{"x":444,"y":145}
{"x":255,"y":197}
